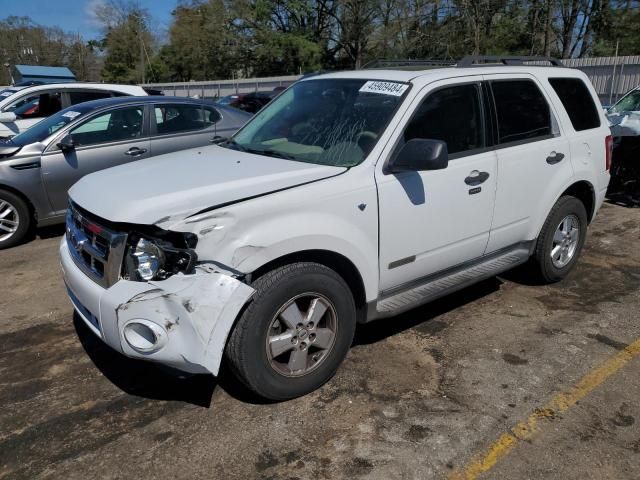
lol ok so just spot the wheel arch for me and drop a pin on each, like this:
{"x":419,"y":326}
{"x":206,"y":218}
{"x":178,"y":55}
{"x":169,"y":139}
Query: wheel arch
{"x":330,"y":259}
{"x":18,"y":193}
{"x":585,"y":192}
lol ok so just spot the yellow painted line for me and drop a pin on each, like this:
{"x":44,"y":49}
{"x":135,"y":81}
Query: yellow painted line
{"x":561,"y":402}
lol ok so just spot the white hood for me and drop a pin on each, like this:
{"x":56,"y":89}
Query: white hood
{"x":186,"y":182}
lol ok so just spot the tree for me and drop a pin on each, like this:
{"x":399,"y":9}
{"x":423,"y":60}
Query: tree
{"x":127,"y":41}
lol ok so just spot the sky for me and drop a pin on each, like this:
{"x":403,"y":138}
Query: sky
{"x":75,"y":16}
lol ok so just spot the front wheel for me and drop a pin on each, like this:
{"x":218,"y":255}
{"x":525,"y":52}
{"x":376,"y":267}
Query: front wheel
{"x":294,"y":334}
{"x":15,"y":219}
{"x":561,"y":239}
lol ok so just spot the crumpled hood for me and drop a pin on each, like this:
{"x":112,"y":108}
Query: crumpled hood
{"x":624,"y":124}
{"x":185,"y":182}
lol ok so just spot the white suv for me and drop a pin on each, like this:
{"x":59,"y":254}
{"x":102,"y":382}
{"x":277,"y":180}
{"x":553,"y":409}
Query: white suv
{"x":353,"y":196}
{"x":22,"y":108}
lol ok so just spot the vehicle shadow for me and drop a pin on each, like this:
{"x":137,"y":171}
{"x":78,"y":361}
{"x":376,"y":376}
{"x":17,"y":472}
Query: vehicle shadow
{"x":155,"y":382}
{"x":50,"y":231}
{"x":424,"y":316}
{"x":628,"y":200}
{"x":144,"y":379}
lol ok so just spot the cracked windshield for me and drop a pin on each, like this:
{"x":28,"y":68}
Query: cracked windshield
{"x":327,"y":122}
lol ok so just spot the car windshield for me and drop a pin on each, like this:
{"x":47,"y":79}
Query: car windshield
{"x":324,"y":121}
{"x":630,"y":103}
{"x":49,"y":126}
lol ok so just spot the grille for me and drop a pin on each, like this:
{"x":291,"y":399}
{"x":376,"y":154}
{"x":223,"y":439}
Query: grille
{"x":95,"y":248}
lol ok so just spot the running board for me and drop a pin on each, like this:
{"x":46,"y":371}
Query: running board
{"x":442,"y":284}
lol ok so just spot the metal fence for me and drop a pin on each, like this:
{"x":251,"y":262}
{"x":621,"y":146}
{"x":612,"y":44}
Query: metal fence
{"x":221,"y":88}
{"x":612,"y":77}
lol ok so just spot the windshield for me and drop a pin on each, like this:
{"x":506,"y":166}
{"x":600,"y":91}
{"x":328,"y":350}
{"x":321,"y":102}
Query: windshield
{"x":630,"y":103}
{"x":325,"y":121}
{"x":48,"y":126}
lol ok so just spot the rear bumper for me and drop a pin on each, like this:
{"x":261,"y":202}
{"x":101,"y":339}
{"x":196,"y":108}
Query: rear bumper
{"x":184,"y":320}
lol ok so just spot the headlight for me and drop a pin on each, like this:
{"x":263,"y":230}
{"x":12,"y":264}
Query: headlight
{"x":156,"y":259}
{"x":148,"y":259}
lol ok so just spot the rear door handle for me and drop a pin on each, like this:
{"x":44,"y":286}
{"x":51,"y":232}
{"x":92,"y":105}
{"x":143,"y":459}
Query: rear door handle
{"x":476,"y":178}
{"x":135,"y":151}
{"x":555,"y":157}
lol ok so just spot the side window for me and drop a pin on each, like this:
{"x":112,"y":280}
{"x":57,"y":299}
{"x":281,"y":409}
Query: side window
{"x":523,"y":112}
{"x":37,"y":105}
{"x":176,"y":118}
{"x":577,"y":101}
{"x":211,"y":116}
{"x":453,"y":115}
{"x":113,"y":126}
{"x":87,"y":96}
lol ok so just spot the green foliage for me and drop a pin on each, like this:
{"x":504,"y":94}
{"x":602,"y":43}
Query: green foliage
{"x":217,"y":39}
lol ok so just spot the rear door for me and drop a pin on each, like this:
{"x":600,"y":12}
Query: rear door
{"x":104,"y":140}
{"x":176,"y":126}
{"x":533,"y":154}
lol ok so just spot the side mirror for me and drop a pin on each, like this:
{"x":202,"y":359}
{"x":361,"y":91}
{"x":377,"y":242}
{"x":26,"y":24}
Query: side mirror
{"x":7,"y":117}
{"x":66,"y":143}
{"x":420,"y":154}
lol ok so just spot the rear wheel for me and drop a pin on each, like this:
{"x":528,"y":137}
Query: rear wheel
{"x":294,"y":334}
{"x":15,"y":219}
{"x":561,"y":239}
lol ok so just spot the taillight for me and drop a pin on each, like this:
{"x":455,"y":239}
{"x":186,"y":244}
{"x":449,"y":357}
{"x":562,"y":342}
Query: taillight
{"x":608,"y":143}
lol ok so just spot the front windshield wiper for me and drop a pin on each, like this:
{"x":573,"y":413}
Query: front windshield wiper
{"x":270,"y":153}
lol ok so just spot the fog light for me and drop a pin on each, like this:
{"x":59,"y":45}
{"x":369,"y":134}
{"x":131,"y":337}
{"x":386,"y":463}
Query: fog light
{"x":144,"y":336}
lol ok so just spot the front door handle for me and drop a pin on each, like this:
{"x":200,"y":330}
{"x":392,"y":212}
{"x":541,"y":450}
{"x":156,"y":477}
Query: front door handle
{"x":476,"y":178}
{"x":555,"y":157}
{"x":135,"y":151}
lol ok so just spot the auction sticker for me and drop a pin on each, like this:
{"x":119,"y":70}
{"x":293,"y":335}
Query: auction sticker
{"x":6,"y":94}
{"x":71,"y":114}
{"x":386,"y":88}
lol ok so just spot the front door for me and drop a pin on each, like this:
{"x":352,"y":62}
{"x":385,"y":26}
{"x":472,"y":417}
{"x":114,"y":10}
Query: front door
{"x":105,"y":140}
{"x":433,"y":220}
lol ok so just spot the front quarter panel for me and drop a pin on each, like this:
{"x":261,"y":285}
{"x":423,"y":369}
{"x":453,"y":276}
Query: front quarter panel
{"x":337,"y":214}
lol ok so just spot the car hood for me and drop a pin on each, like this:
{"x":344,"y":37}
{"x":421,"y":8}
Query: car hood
{"x":174,"y":186}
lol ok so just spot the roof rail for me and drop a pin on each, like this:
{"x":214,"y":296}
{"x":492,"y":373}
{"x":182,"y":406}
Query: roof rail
{"x":487,"y":60}
{"x":409,"y":62}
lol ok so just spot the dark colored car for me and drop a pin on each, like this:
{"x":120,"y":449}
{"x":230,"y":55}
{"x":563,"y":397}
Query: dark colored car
{"x":38,"y":166}
{"x":250,"y":102}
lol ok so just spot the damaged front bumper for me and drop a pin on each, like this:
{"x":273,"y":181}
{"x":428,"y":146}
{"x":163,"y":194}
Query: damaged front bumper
{"x":182,"y":322}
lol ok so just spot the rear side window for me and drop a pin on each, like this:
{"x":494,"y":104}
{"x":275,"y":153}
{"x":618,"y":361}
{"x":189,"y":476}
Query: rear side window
{"x":453,"y":115}
{"x":79,"y":97}
{"x":176,"y":118}
{"x":577,"y":101}
{"x":523,"y":112}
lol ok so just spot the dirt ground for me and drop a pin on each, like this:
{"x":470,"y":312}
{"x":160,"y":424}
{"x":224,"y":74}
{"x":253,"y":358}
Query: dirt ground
{"x":419,"y":396}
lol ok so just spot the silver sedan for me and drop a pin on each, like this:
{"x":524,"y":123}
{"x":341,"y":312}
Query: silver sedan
{"x":38,"y":166}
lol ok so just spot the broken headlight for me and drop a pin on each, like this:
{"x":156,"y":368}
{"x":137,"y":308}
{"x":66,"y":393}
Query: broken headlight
{"x":156,"y":260}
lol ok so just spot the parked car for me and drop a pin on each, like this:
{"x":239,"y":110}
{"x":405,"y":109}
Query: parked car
{"x":249,"y":102}
{"x":624,"y":120}
{"x":38,"y":166}
{"x":16,"y":114}
{"x":351,"y":197}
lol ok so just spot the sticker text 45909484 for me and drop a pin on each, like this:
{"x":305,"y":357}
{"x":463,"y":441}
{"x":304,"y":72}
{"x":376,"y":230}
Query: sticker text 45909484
{"x":386,"y":88}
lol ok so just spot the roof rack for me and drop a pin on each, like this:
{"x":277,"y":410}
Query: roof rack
{"x":409,"y":62}
{"x":488,"y":60}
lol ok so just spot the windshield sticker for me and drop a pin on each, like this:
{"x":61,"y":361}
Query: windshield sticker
{"x":6,"y":94}
{"x":71,"y":114}
{"x":386,"y":88}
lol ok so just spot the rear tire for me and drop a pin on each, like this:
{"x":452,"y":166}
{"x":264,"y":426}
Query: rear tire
{"x":561,"y":240}
{"x":295,"y":332}
{"x":15,"y":219}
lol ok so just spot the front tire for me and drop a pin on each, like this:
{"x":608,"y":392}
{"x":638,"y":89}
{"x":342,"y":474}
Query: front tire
{"x":561,"y":239}
{"x":295,"y":332}
{"x":15,"y":219}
